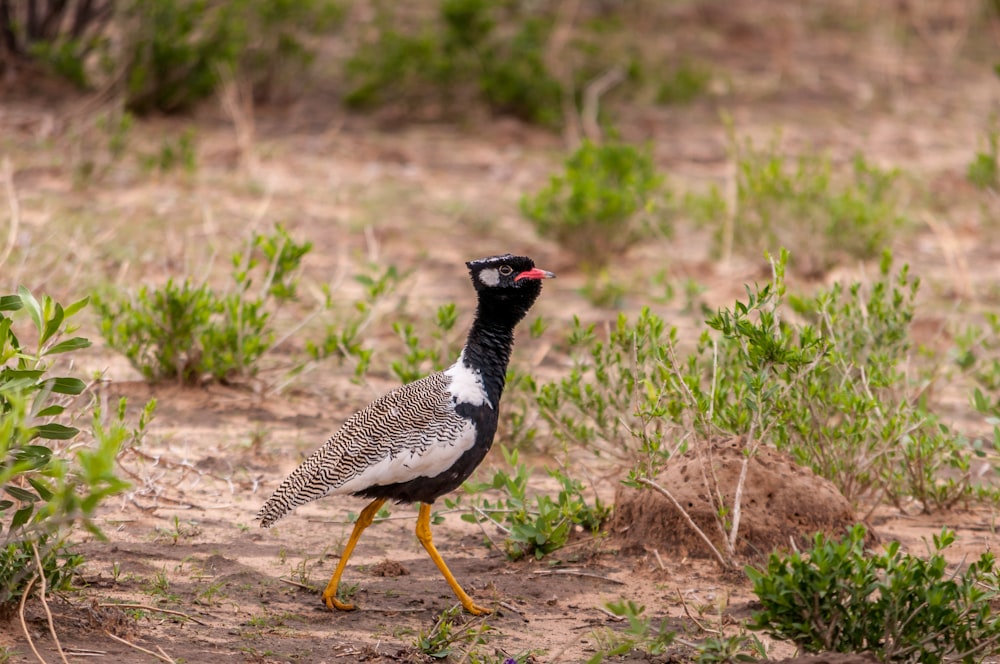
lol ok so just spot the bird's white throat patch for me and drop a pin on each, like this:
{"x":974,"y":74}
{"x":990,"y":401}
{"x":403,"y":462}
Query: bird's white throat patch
{"x":466,"y":383}
{"x":490,"y":277}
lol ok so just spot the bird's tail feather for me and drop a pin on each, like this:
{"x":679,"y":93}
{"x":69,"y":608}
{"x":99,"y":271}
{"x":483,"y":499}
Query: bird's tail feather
{"x":299,"y":488}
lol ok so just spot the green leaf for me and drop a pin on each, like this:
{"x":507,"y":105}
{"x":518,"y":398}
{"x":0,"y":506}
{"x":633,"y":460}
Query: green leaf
{"x":52,"y":324}
{"x":37,"y":455}
{"x":51,"y":411}
{"x":76,"y":343}
{"x":65,"y":385}
{"x":23,"y":495}
{"x":10,"y":302}
{"x":53,"y":431}
{"x":76,"y":306}
{"x":31,"y":304}
{"x":6,"y":505}
{"x":21,"y":516}
{"x":43,"y":490}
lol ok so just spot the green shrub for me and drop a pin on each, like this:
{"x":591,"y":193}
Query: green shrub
{"x":462,"y":54}
{"x":170,"y":54}
{"x":683,"y":83}
{"x":45,"y":489}
{"x":803,"y":203}
{"x":608,"y":198}
{"x":61,"y":35}
{"x":983,"y":170}
{"x":343,"y":338}
{"x":418,"y":359}
{"x":832,"y":390}
{"x":899,"y":607}
{"x":641,"y":634}
{"x":537,"y":527}
{"x":188,"y":333}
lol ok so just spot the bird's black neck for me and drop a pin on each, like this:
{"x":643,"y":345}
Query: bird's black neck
{"x":491,"y":340}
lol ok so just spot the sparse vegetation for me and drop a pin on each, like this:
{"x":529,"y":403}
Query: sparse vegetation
{"x":538,"y":527}
{"x":167,"y":55}
{"x":900,"y":607}
{"x":683,"y":83}
{"x":804,"y":203}
{"x":47,"y":487}
{"x":641,"y":634}
{"x":984,"y":170}
{"x":459,"y":55}
{"x":190,"y":333}
{"x":450,"y":633}
{"x":609,"y":198}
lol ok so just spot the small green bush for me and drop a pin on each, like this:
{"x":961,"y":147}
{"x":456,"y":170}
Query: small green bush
{"x":61,"y":35}
{"x":802,"y":203}
{"x":899,"y":607}
{"x":537,"y":527}
{"x":170,"y":54}
{"x":189,"y":333}
{"x":608,"y":198}
{"x":983,"y":170}
{"x":473,"y":49}
{"x":343,"y":338}
{"x":683,"y":83}
{"x":642,"y":634}
{"x":44,"y":488}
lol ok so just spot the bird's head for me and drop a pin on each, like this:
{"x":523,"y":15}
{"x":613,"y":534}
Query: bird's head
{"x":507,"y":273}
{"x":507,"y":285}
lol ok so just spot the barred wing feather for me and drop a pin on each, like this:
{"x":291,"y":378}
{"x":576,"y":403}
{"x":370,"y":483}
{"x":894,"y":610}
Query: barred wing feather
{"x":412,"y":431}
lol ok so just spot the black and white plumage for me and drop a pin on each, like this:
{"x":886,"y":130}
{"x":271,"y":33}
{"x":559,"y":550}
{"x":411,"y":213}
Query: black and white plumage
{"x":422,"y":440}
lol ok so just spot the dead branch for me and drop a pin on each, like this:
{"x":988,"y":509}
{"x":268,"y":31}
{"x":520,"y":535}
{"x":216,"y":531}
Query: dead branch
{"x":45,"y":605}
{"x":687,"y":517}
{"x":592,"y":98}
{"x":24,"y":624}
{"x":160,"y":655}
{"x":145,"y":607}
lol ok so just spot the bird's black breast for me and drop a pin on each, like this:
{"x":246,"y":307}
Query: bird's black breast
{"x":429,"y":489}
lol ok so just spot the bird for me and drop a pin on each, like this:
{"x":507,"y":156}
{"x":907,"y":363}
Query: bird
{"x":421,"y":440}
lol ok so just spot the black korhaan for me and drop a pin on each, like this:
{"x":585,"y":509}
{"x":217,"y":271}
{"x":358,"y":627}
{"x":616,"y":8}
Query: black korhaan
{"x":423,"y":439}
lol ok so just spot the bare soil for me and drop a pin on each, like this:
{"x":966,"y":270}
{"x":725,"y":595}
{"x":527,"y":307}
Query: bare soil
{"x":784,"y":505}
{"x":203,"y":582}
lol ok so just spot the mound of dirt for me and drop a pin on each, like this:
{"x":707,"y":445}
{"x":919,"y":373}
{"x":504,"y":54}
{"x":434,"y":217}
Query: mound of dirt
{"x":782,"y":502}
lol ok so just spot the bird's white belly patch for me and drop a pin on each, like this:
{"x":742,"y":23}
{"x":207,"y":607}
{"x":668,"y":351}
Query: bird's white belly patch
{"x":466,"y":384}
{"x":409,"y":464}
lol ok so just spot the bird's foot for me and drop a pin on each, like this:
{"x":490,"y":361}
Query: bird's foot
{"x":333,"y":603}
{"x":476,"y":610}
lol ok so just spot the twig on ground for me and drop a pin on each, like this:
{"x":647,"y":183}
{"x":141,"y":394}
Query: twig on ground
{"x":146,"y":607}
{"x":45,"y":605}
{"x":659,"y":561}
{"x":162,"y":657}
{"x":687,"y":612}
{"x":15,"y":209}
{"x":24,"y":624}
{"x":573,"y":572}
{"x":482,"y":528}
{"x":304,"y":586}
{"x":609,"y":614}
{"x":511,"y":607}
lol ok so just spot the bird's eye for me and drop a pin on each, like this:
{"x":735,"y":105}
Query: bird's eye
{"x":505,"y":270}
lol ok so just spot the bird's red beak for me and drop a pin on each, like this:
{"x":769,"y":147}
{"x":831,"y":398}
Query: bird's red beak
{"x":535,"y":273}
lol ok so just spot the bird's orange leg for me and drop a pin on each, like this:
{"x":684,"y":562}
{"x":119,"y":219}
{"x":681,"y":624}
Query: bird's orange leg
{"x":424,"y":535}
{"x":364,"y":520}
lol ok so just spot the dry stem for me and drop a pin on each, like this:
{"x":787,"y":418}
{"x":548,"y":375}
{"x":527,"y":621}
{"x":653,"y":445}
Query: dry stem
{"x":726,"y":564}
